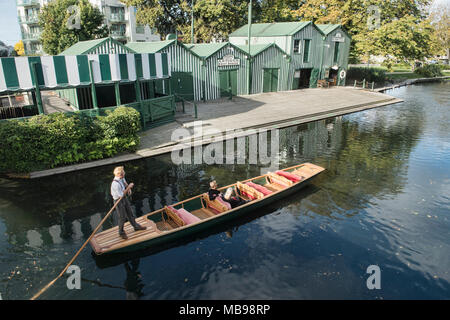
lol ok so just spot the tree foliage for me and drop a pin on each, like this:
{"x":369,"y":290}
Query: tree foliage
{"x":58,"y":33}
{"x":402,"y":31}
{"x":19,"y":48}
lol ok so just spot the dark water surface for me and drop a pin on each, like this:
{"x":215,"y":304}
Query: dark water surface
{"x":383,"y":200}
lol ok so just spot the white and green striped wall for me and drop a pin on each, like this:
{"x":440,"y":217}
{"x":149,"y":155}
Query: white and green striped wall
{"x":16,"y":73}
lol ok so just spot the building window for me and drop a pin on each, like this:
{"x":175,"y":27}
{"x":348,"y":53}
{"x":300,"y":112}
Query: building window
{"x":306,"y":50}
{"x":336,"y":52}
{"x":297,"y":46}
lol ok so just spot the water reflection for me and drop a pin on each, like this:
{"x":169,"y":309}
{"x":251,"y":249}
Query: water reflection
{"x":383,"y":199}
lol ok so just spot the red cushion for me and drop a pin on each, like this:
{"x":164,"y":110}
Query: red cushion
{"x":288,"y":175}
{"x":259,"y":188}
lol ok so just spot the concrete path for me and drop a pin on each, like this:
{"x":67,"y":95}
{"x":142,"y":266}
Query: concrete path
{"x":261,"y":111}
{"x":51,"y":103}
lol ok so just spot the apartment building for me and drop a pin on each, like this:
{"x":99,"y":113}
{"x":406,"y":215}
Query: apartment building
{"x":120,"y":19}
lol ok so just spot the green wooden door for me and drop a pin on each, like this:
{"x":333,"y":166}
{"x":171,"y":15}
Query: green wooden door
{"x":183,"y":85}
{"x":223,"y":82}
{"x":228,"y":82}
{"x":270,"y":80}
{"x":274,"y":82}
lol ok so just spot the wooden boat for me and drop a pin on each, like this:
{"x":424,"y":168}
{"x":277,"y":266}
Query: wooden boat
{"x":198,"y":213}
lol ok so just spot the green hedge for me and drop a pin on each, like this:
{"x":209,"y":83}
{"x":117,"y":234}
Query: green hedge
{"x":370,"y":74}
{"x":429,"y":70}
{"x":47,"y":141}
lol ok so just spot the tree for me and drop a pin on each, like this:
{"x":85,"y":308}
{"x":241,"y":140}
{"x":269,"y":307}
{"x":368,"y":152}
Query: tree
{"x":166,"y":16}
{"x":372,"y":25}
{"x":440,"y":20}
{"x":212,"y":18}
{"x":278,"y":10}
{"x":19,"y":48}
{"x":65,"y":22}
{"x":5,"y":50}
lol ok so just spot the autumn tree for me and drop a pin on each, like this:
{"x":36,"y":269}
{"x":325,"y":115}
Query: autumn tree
{"x":65,"y":22}
{"x":19,"y":48}
{"x":440,"y":20}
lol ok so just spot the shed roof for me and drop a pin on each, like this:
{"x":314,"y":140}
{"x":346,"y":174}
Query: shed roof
{"x":149,"y":47}
{"x":327,"y":28}
{"x":205,"y":50}
{"x":84,"y":47}
{"x":256,"y":49}
{"x":271,"y":29}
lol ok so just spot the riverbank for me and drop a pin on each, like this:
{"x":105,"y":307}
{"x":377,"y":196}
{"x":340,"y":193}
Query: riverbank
{"x":247,"y":113}
{"x":412,"y":81}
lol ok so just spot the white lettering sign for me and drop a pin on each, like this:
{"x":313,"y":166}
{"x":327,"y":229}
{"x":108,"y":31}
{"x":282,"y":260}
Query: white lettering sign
{"x":338,"y":38}
{"x":228,"y":60}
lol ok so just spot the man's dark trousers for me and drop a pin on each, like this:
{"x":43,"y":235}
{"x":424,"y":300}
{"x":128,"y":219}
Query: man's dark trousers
{"x":124,"y":214}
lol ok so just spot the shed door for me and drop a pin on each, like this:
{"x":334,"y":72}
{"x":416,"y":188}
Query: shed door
{"x":270,"y":80}
{"x":228,"y":82}
{"x":183,"y":85}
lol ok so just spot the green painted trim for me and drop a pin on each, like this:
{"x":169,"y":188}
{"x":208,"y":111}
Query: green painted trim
{"x":34,"y":76}
{"x":9,"y":68}
{"x":60,"y":69}
{"x":83,"y":69}
{"x":123,"y":67}
{"x":105,"y":68}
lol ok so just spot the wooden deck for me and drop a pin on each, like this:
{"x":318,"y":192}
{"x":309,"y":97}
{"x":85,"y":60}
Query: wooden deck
{"x":110,"y":238}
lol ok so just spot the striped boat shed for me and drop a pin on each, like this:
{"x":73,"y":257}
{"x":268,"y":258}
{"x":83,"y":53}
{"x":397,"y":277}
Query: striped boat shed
{"x":225,"y":69}
{"x":269,"y":67}
{"x":114,"y":64}
{"x":186,"y":66}
{"x":336,"y":51}
{"x":97,"y":46}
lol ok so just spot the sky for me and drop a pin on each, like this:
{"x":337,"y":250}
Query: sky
{"x":9,"y":26}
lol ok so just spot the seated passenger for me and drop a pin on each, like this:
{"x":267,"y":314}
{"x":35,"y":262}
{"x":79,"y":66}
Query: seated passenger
{"x":213,"y":192}
{"x":233,"y":201}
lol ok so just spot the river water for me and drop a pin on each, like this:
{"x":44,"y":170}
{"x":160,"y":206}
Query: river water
{"x":384,"y":200}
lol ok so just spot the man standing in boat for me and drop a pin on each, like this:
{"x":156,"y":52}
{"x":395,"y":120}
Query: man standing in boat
{"x":123,"y":209}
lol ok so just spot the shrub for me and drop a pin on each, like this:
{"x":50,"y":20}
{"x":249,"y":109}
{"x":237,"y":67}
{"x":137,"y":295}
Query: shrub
{"x":370,"y":74}
{"x":429,"y":70}
{"x":47,"y":141}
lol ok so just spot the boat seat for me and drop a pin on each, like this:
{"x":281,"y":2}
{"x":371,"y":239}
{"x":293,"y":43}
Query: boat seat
{"x":249,"y":191}
{"x":280,"y":180}
{"x":183,"y":214}
{"x":259,"y":188}
{"x":173,"y":216}
{"x":215,"y":205}
{"x":289,"y":175}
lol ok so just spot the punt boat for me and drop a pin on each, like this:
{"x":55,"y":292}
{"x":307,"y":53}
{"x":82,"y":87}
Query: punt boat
{"x":198,"y":213}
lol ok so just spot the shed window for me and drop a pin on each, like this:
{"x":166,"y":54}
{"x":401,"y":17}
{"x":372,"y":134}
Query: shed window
{"x":306,"y":51}
{"x":296,"y":46}
{"x":336,"y":52}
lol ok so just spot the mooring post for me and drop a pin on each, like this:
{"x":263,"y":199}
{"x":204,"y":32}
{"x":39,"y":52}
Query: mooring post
{"x":36,"y":87}
{"x":354,"y":86}
{"x":364,"y":83}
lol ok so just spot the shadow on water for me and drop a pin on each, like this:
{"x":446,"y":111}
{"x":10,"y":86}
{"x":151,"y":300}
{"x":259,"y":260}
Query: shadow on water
{"x":113,"y":259}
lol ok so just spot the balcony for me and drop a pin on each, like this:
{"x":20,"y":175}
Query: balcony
{"x":31,"y":36}
{"x":117,"y":17}
{"x":28,"y":3}
{"x":118,"y":34}
{"x":140,"y":29}
{"x":28,"y":19}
